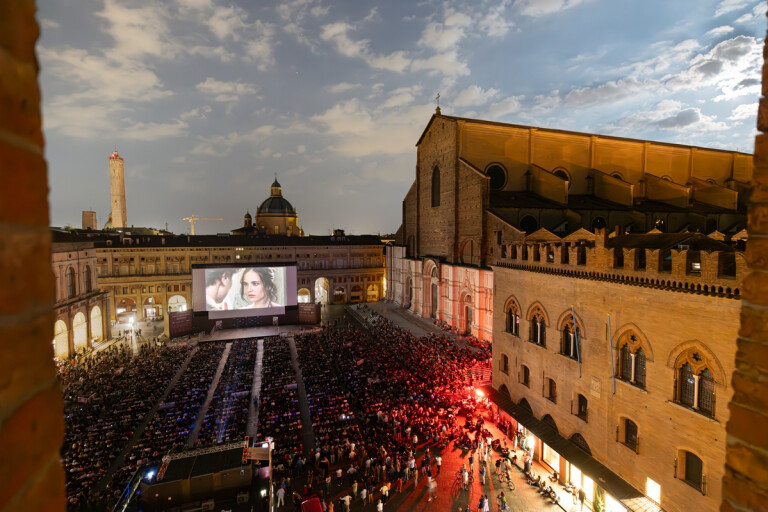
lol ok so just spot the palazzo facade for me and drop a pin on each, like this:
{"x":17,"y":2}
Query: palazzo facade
{"x":81,"y":308}
{"x":481,"y":184}
{"x":607,"y":273}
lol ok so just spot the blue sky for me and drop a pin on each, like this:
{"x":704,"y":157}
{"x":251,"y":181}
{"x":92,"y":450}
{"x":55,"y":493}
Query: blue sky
{"x":206,"y":99}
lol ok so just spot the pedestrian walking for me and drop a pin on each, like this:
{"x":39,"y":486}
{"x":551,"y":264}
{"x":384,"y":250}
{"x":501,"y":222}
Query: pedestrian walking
{"x":439,"y":461}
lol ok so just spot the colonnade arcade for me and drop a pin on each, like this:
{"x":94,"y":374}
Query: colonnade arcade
{"x":79,"y":327}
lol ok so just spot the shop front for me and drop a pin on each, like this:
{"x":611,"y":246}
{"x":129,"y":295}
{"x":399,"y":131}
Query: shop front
{"x":570,"y":458}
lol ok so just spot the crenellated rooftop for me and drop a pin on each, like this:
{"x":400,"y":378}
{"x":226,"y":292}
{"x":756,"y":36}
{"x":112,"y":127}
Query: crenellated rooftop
{"x":681,"y":262}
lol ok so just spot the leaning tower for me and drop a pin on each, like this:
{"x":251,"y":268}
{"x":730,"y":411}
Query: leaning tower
{"x":117,"y":190}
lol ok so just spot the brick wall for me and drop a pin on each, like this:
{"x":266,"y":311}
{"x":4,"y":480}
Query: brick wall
{"x":31,"y":419}
{"x":437,"y":225}
{"x":745,"y":484}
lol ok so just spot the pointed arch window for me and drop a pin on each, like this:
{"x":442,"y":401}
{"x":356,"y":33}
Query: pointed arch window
{"x":538,"y":329}
{"x":513,"y":318}
{"x":632,"y":360}
{"x":435,"y":186}
{"x":570,"y":342}
{"x":695,"y":384}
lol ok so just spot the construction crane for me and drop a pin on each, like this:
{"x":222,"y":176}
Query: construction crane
{"x":193,"y":218}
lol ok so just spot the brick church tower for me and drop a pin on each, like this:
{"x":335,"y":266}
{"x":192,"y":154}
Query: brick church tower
{"x":117,"y":190}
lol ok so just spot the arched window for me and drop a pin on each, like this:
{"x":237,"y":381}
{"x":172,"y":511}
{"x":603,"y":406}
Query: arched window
{"x":436,"y":186}
{"x":561,"y":173}
{"x":707,"y":392}
{"x":70,"y":283}
{"x":693,"y":471}
{"x":504,"y":363}
{"x":538,"y":328}
{"x":640,"y":368}
{"x":687,"y":393}
{"x":498,"y":176}
{"x":513,"y":318}
{"x":598,"y":223}
{"x":570,"y":342}
{"x":528,"y":224}
{"x":630,"y":434}
{"x":632,"y":358}
{"x":695,"y":386}
{"x":525,"y":378}
{"x":87,"y":276}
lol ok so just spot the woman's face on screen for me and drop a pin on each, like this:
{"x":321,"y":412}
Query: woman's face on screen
{"x":254,"y":288}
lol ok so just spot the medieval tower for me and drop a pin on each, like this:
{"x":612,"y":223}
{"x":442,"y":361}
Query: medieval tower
{"x":117,"y":190}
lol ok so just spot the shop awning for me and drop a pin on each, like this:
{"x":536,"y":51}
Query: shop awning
{"x":602,"y":476}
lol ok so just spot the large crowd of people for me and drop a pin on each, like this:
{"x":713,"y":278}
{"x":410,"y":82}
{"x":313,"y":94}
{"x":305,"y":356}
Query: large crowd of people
{"x":227,"y":417}
{"x":279,"y":416}
{"x":374,"y":392}
{"x":105,"y":398}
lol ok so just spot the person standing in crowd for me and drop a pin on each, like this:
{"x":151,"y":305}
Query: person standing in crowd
{"x":439,"y":462}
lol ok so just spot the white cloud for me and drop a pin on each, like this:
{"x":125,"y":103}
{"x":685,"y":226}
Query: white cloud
{"x":447,"y":35}
{"x":225,"y":91}
{"x":537,"y":8}
{"x":474,"y":96}
{"x":504,"y":107}
{"x":196,"y":113}
{"x":719,"y":32}
{"x":260,"y":46}
{"x":138,"y":31}
{"x":395,"y":61}
{"x":47,"y":24}
{"x":301,"y":148}
{"x":447,"y":63}
{"x":360,"y":132}
{"x":744,"y":111}
{"x":494,"y":24}
{"x":373,"y":15}
{"x":670,"y":115}
{"x":337,"y":33}
{"x":227,"y":22}
{"x":611,"y":91}
{"x":727,"y":6}
{"x":401,"y":97}
{"x":732,"y":66}
{"x":342,"y":87}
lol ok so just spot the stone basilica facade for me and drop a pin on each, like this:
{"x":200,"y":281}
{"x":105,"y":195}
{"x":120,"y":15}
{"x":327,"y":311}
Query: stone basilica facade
{"x":607,"y":273}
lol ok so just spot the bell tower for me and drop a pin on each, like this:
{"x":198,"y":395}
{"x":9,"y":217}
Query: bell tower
{"x":117,"y":190}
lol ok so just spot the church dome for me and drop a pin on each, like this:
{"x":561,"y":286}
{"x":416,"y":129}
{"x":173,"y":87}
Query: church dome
{"x":276,"y":205}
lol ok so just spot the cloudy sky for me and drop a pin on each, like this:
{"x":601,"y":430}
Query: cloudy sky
{"x":207,"y":99}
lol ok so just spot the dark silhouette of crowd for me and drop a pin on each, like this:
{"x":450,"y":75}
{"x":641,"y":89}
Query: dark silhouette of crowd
{"x":279,"y":416}
{"x":105,"y":398}
{"x":227,"y":417}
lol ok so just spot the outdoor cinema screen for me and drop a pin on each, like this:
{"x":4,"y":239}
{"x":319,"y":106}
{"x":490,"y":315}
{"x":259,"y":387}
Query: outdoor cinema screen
{"x":229,"y":291}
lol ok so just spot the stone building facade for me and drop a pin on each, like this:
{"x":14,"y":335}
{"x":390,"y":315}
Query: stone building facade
{"x":621,"y":346}
{"x":147,"y":276}
{"x":480,"y":185}
{"x":81,"y":308}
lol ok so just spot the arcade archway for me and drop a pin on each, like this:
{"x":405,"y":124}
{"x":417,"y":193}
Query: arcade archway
{"x":152,"y":308}
{"x":80,"y":331}
{"x":97,"y":334}
{"x":60,"y":339}
{"x":125,"y":309}
{"x":322,"y":289}
{"x":339,"y":295}
{"x":177,"y":303}
{"x":372,"y":294}
{"x":304,"y":297}
{"x":356,"y":294}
